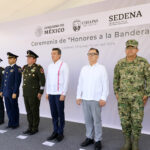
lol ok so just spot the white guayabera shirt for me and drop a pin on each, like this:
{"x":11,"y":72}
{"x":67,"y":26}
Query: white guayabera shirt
{"x":57,"y":78}
{"x":93,"y":83}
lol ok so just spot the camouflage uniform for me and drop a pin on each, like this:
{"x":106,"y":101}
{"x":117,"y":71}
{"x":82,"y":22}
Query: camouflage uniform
{"x":131,"y":83}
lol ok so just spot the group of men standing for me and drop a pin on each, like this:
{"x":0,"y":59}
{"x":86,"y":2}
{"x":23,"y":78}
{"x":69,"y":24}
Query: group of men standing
{"x":33,"y":86}
{"x":131,"y":87}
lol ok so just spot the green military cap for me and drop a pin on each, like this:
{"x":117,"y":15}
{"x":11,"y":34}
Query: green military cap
{"x":132,"y":43}
{"x":11,"y":55}
{"x":31,"y":54}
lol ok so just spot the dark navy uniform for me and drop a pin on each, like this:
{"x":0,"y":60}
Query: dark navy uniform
{"x":1,"y":98}
{"x":10,"y":85}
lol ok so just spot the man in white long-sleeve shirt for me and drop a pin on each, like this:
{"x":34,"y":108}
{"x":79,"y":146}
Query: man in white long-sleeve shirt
{"x":56,"y":89}
{"x":93,"y":89}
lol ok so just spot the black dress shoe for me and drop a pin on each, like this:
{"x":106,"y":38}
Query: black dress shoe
{"x":2,"y":122}
{"x":33,"y":132}
{"x":15,"y":127}
{"x":98,"y":145}
{"x":7,"y":127}
{"x":60,"y":137}
{"x":27,"y":131}
{"x":52,"y":137}
{"x":87,"y":142}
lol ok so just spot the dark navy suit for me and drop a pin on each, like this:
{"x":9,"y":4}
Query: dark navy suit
{"x":57,"y":111}
{"x":1,"y":98}
{"x":10,"y":85}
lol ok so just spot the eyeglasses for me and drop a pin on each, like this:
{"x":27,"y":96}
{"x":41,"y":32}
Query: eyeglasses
{"x":92,"y":54}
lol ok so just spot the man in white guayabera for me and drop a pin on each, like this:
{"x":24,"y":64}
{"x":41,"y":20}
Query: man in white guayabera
{"x":92,"y":91}
{"x":56,"y":89}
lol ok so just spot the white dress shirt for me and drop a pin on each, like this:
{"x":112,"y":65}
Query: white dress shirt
{"x":12,"y":65}
{"x":93,"y":83}
{"x":57,"y":78}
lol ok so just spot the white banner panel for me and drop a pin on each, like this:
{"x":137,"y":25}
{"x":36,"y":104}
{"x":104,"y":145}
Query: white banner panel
{"x":107,"y":31}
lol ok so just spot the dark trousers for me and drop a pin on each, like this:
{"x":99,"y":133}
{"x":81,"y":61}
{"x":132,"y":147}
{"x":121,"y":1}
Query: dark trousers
{"x":1,"y":110}
{"x":32,"y":104}
{"x":12,"y":111}
{"x":57,"y":112}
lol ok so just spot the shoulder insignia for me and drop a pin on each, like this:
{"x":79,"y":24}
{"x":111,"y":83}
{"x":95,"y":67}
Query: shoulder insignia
{"x":42,"y":70}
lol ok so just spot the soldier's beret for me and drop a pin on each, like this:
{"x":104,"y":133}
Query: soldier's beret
{"x":132,"y":43}
{"x":11,"y":55}
{"x":31,"y":54}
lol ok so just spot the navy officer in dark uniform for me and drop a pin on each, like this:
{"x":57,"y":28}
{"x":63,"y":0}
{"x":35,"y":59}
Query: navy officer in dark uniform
{"x":1,"y":98}
{"x":10,"y":90}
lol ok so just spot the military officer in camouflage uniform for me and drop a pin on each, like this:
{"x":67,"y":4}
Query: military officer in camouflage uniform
{"x":132,"y":88}
{"x":33,"y":87}
{"x":1,"y":98}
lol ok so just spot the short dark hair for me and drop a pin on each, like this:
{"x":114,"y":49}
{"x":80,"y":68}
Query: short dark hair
{"x":97,"y":51}
{"x":58,"y":50}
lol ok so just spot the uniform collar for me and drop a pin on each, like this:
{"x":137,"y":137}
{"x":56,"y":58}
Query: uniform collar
{"x":134,"y":61}
{"x":12,"y":65}
{"x":31,"y":65}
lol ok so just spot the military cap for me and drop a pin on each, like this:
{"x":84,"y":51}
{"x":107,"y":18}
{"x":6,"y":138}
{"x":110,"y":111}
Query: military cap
{"x":31,"y":54}
{"x":1,"y":60}
{"x":11,"y":55}
{"x":132,"y":43}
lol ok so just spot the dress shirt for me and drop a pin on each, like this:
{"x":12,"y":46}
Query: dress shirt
{"x":93,"y":83}
{"x":57,"y":78}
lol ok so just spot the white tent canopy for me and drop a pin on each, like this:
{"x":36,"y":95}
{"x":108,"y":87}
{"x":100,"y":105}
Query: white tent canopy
{"x":11,"y":10}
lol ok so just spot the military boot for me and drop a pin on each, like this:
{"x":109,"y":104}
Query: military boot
{"x":135,"y":143}
{"x":127,"y":145}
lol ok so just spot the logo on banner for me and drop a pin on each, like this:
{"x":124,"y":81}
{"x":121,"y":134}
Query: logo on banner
{"x":51,"y":29}
{"x":77,"y":24}
{"x":123,"y":18}
{"x":54,"y":29}
{"x":39,"y":31}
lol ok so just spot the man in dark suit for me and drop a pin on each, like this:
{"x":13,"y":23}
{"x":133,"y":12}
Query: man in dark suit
{"x":1,"y":98}
{"x":10,"y":90}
